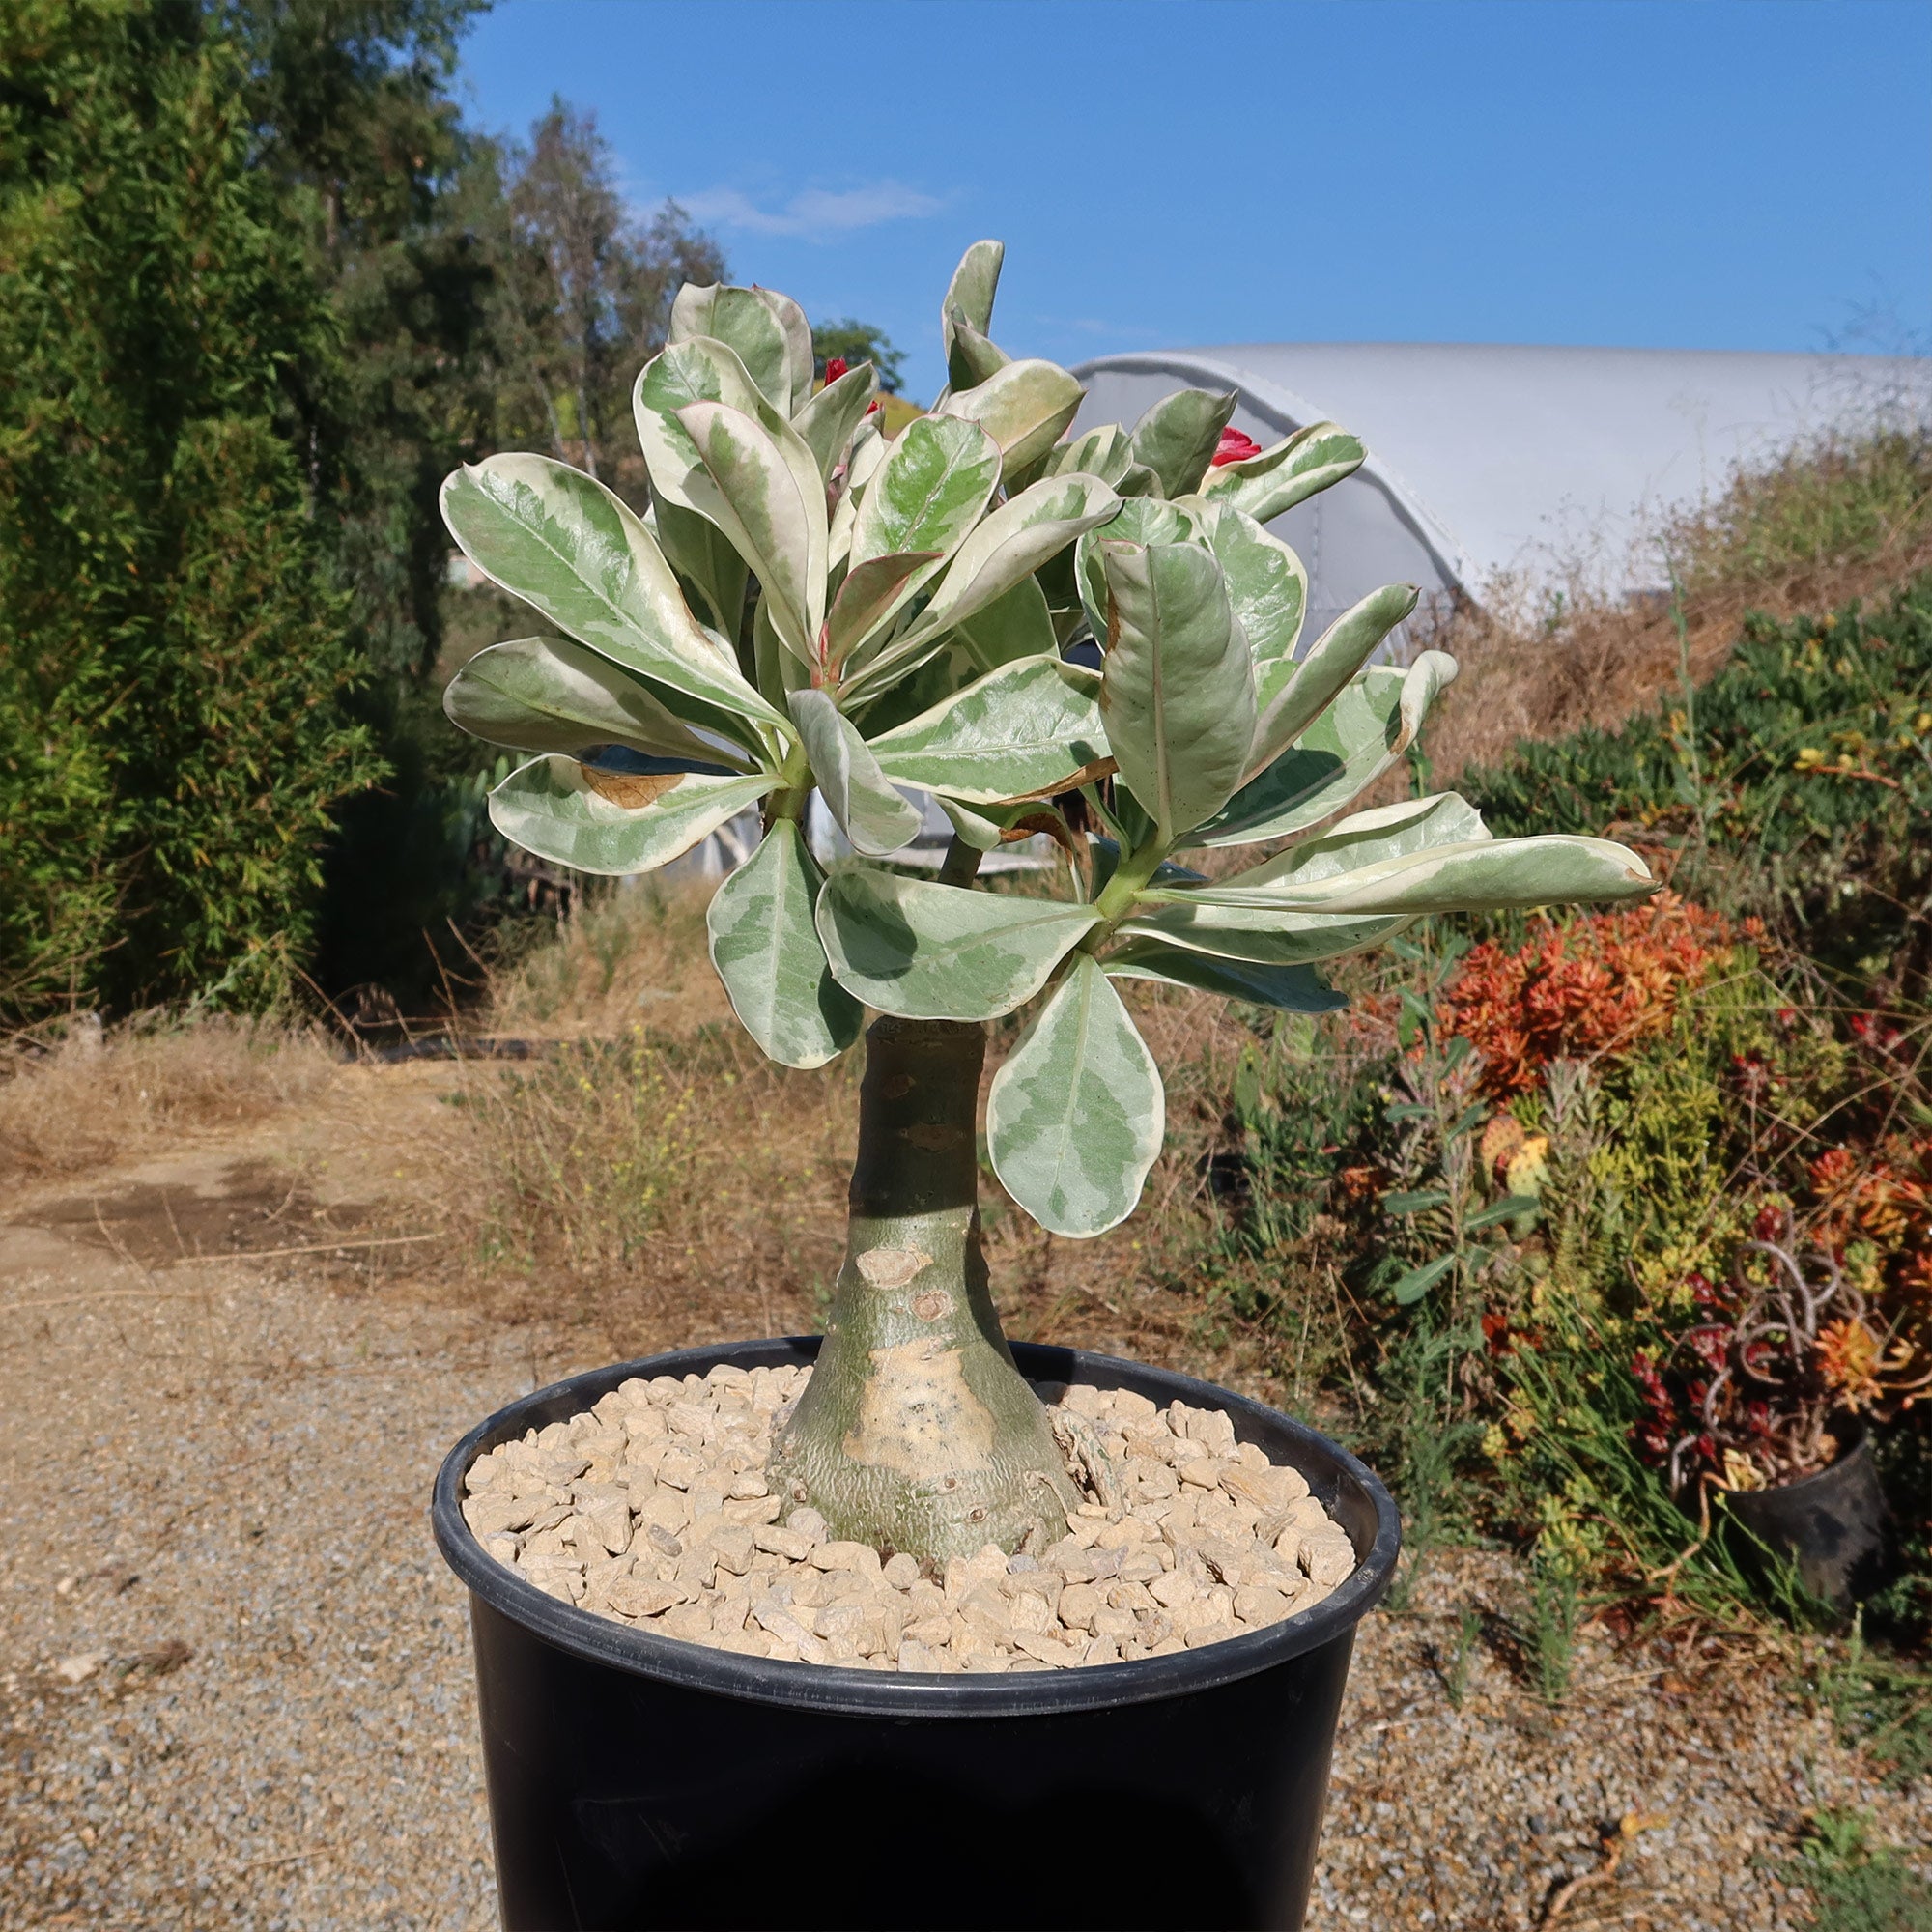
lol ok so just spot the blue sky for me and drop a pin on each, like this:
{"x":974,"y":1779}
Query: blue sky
{"x":1727,"y":175}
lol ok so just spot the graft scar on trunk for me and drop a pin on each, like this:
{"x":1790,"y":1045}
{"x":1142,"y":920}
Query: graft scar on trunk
{"x":891,"y":1267}
{"x":917,"y":1416}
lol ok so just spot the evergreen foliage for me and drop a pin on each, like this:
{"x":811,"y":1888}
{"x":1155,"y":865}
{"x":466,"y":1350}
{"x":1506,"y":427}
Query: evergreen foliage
{"x":173,"y":656}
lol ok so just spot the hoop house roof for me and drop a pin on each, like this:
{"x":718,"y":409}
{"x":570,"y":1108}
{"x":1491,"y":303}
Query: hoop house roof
{"x":1485,"y":459}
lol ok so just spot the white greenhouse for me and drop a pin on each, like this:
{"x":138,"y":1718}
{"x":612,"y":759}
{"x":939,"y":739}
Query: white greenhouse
{"x":1488,"y":460}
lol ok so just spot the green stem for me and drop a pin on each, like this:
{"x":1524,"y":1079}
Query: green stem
{"x":916,"y":1431}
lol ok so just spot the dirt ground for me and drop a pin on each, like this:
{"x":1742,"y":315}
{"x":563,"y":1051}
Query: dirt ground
{"x":235,"y":1687}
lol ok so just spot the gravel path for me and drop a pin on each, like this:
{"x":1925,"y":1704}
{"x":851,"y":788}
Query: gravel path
{"x":216,"y":1474}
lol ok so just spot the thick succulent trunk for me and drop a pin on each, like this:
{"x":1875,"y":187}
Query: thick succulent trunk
{"x":916,"y":1431}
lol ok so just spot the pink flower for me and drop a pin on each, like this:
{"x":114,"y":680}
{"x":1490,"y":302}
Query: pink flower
{"x":1234,"y":448}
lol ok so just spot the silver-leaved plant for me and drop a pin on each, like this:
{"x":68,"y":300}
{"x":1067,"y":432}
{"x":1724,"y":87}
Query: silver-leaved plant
{"x":812,"y":606}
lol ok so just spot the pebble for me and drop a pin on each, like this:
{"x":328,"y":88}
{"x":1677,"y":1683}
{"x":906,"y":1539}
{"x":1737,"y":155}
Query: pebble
{"x":652,"y":1509}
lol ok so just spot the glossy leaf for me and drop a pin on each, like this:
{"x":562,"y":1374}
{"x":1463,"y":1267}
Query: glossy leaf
{"x":1106,"y":452}
{"x":1287,"y":473}
{"x":828,"y":421}
{"x":563,"y":543}
{"x":1338,"y":758}
{"x":772,"y":510}
{"x":930,"y":491}
{"x":801,"y":362}
{"x":1294,"y":989}
{"x":1300,"y":697}
{"x":1076,"y":1113}
{"x":710,"y":572}
{"x":1266,"y":937}
{"x":1267,"y":588}
{"x":1178,"y":436}
{"x":766,"y":949}
{"x":870,"y":593}
{"x":546,"y":695}
{"x":1139,"y":520}
{"x":870,"y":812}
{"x":1369,"y":837}
{"x":1023,"y":407}
{"x":696,"y":370}
{"x":749,"y":327}
{"x":614,"y":823}
{"x":1015,"y":624}
{"x":1486,"y":875}
{"x":1027,"y":730}
{"x":1178,"y":691}
{"x":928,"y":951}
{"x":968,"y":299}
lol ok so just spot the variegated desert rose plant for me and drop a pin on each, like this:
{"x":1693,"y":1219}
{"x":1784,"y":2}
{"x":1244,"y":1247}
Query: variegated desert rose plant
{"x":809,"y":605}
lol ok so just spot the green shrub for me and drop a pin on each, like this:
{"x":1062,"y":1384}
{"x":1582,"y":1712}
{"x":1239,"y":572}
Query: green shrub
{"x":173,"y":663}
{"x":1797,"y":782}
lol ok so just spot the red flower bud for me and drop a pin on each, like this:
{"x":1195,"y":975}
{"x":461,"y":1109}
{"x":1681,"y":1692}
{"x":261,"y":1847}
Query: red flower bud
{"x":1234,"y":448}
{"x":835,"y":367}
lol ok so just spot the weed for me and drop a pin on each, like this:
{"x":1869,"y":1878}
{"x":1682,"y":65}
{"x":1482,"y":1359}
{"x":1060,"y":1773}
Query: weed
{"x":1548,"y":1633}
{"x":1456,"y":1668}
{"x":1856,"y":1887}
{"x":1879,"y":1700}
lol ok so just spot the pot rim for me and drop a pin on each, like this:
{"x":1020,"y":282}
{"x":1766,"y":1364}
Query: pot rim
{"x":1855,"y":1442}
{"x":881,"y":1693}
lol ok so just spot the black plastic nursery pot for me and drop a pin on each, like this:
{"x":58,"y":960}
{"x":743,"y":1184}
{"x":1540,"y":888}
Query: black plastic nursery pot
{"x":639,"y":1780}
{"x":1831,"y":1525}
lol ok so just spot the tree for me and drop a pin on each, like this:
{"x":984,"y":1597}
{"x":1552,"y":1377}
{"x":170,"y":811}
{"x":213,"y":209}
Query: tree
{"x":914,"y":602}
{"x":585,"y":290}
{"x":174,"y":657}
{"x":852,"y":341}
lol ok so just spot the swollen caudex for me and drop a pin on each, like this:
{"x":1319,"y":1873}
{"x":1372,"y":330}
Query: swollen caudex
{"x":652,"y":1509}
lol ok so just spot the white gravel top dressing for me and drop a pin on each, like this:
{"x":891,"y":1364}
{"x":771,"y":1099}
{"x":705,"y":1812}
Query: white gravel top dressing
{"x":652,"y":1509}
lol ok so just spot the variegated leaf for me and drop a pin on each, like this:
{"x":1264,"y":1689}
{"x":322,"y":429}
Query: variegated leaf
{"x":1262,"y":937}
{"x":1268,"y":590}
{"x":749,"y":327}
{"x":1015,"y":624}
{"x":767,"y":952}
{"x":1287,"y":473}
{"x":1296,"y":701}
{"x":1177,"y":437}
{"x":563,"y":543}
{"x":1023,"y":407}
{"x":1140,"y":520}
{"x":828,"y":420}
{"x":870,"y":593}
{"x":770,"y":501}
{"x":1027,"y":730}
{"x":928,"y":951}
{"x":1370,"y":837}
{"x":545,"y":695}
{"x":615,"y":822}
{"x":1293,"y":989}
{"x":968,"y":299}
{"x":872,"y":815}
{"x":1076,"y":1113}
{"x":930,"y":491}
{"x":1178,"y":689}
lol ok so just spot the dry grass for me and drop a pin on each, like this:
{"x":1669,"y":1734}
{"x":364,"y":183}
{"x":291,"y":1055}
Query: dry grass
{"x":90,"y":1098}
{"x":1820,"y":527}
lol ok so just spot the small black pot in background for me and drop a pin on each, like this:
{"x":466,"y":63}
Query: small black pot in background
{"x":637,"y":1780}
{"x":1831,"y":1525}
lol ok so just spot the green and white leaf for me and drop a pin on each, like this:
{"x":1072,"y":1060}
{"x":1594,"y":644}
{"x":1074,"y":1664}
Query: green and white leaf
{"x":1486,"y":875}
{"x":1288,"y":472}
{"x":693,"y":370}
{"x":1015,"y":624}
{"x":1106,"y":452}
{"x":1348,"y":747}
{"x":1307,"y":689}
{"x":1267,"y":588}
{"x":555,"y":807}
{"x":1077,"y":1112}
{"x":710,"y":572}
{"x":867,"y":599}
{"x":749,"y":327}
{"x":1293,"y":989}
{"x":1026,"y":730}
{"x":1263,"y":936}
{"x":930,"y":492}
{"x":829,"y":420}
{"x":928,"y":951}
{"x":564,"y":544}
{"x":1006,"y":546}
{"x":767,"y":952}
{"x":801,"y":363}
{"x":968,"y":299}
{"x":1178,"y":687}
{"x":545,"y":695}
{"x":1023,"y":407}
{"x":769,"y":500}
{"x":1370,"y":837}
{"x":1178,"y":436}
{"x":1139,"y":520}
{"x":871,"y":813}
